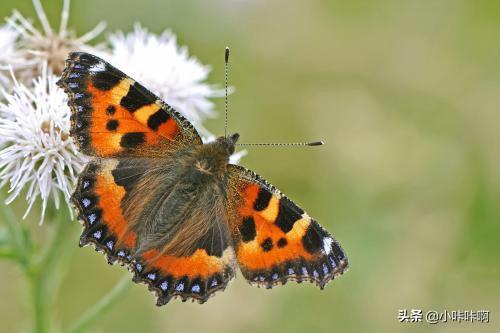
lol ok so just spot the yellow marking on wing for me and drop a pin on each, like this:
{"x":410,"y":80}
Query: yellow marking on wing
{"x":142,"y":114}
{"x":252,"y":256}
{"x":120,"y":90}
{"x":299,"y":229}
{"x":251,"y":247}
{"x":107,"y":143}
{"x":272,"y":209}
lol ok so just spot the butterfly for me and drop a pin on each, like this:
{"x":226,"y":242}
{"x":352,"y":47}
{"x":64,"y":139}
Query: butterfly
{"x":155,"y":198}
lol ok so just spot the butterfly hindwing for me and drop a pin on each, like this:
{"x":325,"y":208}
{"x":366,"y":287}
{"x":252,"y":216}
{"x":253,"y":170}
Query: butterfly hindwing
{"x":275,"y":240}
{"x":194,"y":256}
{"x":98,"y":198}
{"x":114,"y":115}
{"x":195,"y":276}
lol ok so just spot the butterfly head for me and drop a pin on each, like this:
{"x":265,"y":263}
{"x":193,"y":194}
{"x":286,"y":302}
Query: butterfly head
{"x":228,"y":142}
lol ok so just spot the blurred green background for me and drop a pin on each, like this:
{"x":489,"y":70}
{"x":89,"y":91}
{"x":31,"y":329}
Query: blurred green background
{"x":406,"y":95}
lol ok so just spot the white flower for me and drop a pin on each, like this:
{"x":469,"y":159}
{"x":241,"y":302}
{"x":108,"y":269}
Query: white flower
{"x":167,"y":69}
{"x":36,"y":48}
{"x":36,"y":152}
{"x":9,"y":55}
{"x":237,"y":156}
{"x":37,"y":155}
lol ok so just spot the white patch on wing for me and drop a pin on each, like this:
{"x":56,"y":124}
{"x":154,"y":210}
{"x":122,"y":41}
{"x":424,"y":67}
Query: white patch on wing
{"x":100,"y":67}
{"x":327,"y":245}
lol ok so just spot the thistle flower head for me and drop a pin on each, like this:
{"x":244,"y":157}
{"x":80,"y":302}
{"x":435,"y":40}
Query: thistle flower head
{"x":46,"y":46}
{"x":9,"y":55}
{"x":167,"y":69}
{"x":36,"y":152}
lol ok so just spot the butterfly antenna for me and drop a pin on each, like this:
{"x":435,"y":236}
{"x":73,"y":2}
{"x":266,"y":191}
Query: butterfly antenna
{"x":226,"y":58}
{"x":258,"y":144}
{"x":282,"y":144}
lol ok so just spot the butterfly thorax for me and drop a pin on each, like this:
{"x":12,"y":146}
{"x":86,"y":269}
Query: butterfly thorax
{"x":211,"y":159}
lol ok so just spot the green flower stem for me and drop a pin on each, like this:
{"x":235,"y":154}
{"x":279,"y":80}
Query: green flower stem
{"x":60,"y":239}
{"x":41,"y":313}
{"x":19,"y":241}
{"x":102,"y":306}
{"x":44,"y":272}
{"x":44,"y":267}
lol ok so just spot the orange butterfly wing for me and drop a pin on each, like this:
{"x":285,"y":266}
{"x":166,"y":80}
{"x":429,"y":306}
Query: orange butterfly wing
{"x":98,"y":197}
{"x":275,"y":240}
{"x":113,"y":115}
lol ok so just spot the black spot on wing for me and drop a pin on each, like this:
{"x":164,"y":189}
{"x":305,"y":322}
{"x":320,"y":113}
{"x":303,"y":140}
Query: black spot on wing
{"x":84,"y":58}
{"x":157,"y":118}
{"x":132,"y":140}
{"x":282,"y":242}
{"x":313,"y":238}
{"x":110,"y":110}
{"x":288,"y":214}
{"x":262,"y":200}
{"x":112,"y":125}
{"x":106,"y":79}
{"x":137,"y":97}
{"x":247,"y":229}
{"x":267,"y":245}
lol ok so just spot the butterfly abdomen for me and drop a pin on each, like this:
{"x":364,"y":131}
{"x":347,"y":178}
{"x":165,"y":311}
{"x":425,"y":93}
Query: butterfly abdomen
{"x":189,"y":189}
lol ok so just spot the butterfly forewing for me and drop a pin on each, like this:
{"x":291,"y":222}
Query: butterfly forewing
{"x":114,"y":115}
{"x":275,"y":240}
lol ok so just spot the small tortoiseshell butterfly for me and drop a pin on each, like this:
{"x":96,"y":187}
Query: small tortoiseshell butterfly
{"x":174,"y":210}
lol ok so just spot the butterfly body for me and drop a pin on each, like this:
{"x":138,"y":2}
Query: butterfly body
{"x":190,"y":186}
{"x":174,"y":210}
